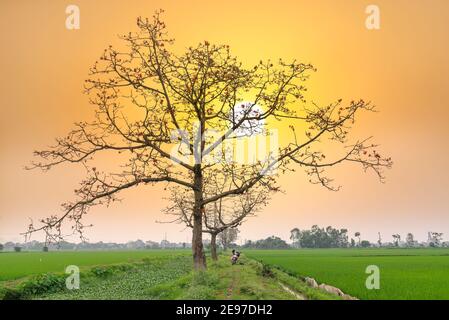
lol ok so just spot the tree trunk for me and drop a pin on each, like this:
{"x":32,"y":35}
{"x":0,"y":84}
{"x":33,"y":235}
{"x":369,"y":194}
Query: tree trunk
{"x":213,"y":246}
{"x":224,"y":240}
{"x":199,"y":258}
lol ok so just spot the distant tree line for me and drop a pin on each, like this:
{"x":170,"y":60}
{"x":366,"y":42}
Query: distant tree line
{"x":65,"y":245}
{"x":318,"y":237}
{"x":268,"y":243}
{"x":330,"y":237}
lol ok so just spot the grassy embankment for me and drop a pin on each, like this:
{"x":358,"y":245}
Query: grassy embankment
{"x":248,"y":279}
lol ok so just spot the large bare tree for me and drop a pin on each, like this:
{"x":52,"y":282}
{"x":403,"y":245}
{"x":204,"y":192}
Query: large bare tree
{"x":156,"y":107}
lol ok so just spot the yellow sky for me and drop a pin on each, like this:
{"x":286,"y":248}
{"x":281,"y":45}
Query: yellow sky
{"x":403,"y":68}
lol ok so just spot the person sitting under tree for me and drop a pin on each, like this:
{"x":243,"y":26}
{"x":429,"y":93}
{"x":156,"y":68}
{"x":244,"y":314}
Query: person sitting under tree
{"x":235,"y":256}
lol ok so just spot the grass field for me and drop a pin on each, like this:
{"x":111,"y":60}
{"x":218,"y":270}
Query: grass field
{"x":159,"y":274}
{"x":404,"y":273}
{"x":17,"y":265}
{"x":167,"y":274}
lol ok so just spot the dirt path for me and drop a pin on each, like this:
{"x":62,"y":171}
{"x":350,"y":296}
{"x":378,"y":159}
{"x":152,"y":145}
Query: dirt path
{"x":230,"y":289}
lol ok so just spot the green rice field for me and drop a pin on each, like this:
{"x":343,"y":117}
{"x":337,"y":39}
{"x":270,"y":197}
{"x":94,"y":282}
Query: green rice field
{"x":17,"y":265}
{"x":404,"y":273}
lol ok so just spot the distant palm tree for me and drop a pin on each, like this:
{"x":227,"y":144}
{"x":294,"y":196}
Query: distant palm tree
{"x":294,"y":236}
{"x":357,"y":235}
{"x":397,"y":238}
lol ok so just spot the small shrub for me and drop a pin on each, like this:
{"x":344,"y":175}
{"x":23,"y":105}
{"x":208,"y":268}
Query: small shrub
{"x":17,"y":249}
{"x":10,"y":294}
{"x":101,"y":271}
{"x":248,"y":290}
{"x":43,"y":283}
{"x":266,"y":271}
{"x":45,"y":249}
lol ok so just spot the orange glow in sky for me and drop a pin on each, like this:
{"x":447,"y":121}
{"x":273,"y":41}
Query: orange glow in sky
{"x":402,"y":68}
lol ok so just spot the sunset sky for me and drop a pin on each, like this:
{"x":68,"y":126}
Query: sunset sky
{"x":402,"y":68}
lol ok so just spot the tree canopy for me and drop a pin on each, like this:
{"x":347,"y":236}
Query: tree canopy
{"x":159,"y":108}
